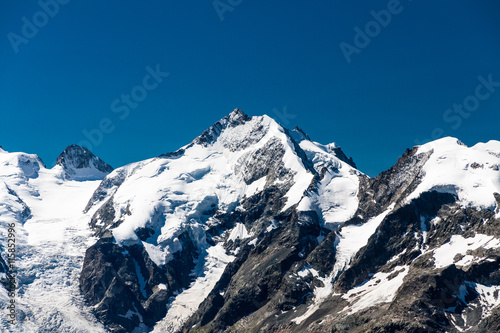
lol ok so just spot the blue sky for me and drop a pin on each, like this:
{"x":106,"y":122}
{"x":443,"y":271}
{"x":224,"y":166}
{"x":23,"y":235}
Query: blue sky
{"x":396,"y":85}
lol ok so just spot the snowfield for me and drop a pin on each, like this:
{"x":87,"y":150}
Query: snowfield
{"x":470,"y":173}
{"x":51,"y":244}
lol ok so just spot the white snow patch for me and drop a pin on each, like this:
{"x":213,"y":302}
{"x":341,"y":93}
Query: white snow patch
{"x":253,"y":242}
{"x":436,"y":220}
{"x":489,"y":297}
{"x":338,"y":198}
{"x":379,"y":289}
{"x":130,"y":314}
{"x":306,"y":271}
{"x":443,"y":256}
{"x":239,"y":232}
{"x":273,"y":225}
{"x":295,"y":193}
{"x":353,"y":237}
{"x":255,"y":187}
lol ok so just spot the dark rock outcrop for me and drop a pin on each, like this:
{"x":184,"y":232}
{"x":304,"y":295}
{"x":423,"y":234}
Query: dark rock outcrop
{"x":209,"y":136}
{"x":75,"y":159}
{"x":258,"y":278}
{"x":391,"y":186}
{"x":126,"y":288}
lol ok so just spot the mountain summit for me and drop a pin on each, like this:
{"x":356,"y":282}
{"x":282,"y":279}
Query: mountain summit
{"x":79,"y":163}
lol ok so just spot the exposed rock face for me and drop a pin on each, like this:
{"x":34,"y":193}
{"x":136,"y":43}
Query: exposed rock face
{"x":429,"y":299}
{"x":4,"y":269}
{"x":340,"y":154}
{"x":107,"y":185}
{"x":107,"y":279}
{"x":391,"y":186}
{"x":104,"y":219}
{"x":79,"y":162}
{"x":209,"y":136}
{"x":264,"y":162}
{"x":127,"y":288}
{"x":257,"y":278}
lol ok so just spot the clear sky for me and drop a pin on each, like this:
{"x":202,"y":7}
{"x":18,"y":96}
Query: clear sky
{"x":376,"y":77}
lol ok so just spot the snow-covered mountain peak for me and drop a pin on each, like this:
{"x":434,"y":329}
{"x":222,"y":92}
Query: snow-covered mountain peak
{"x":20,"y":164}
{"x":78,"y":163}
{"x":236,"y":157}
{"x":492,"y":146}
{"x":440,"y":144}
{"x":210,"y":135}
{"x":237,"y":117}
{"x":470,"y":173}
